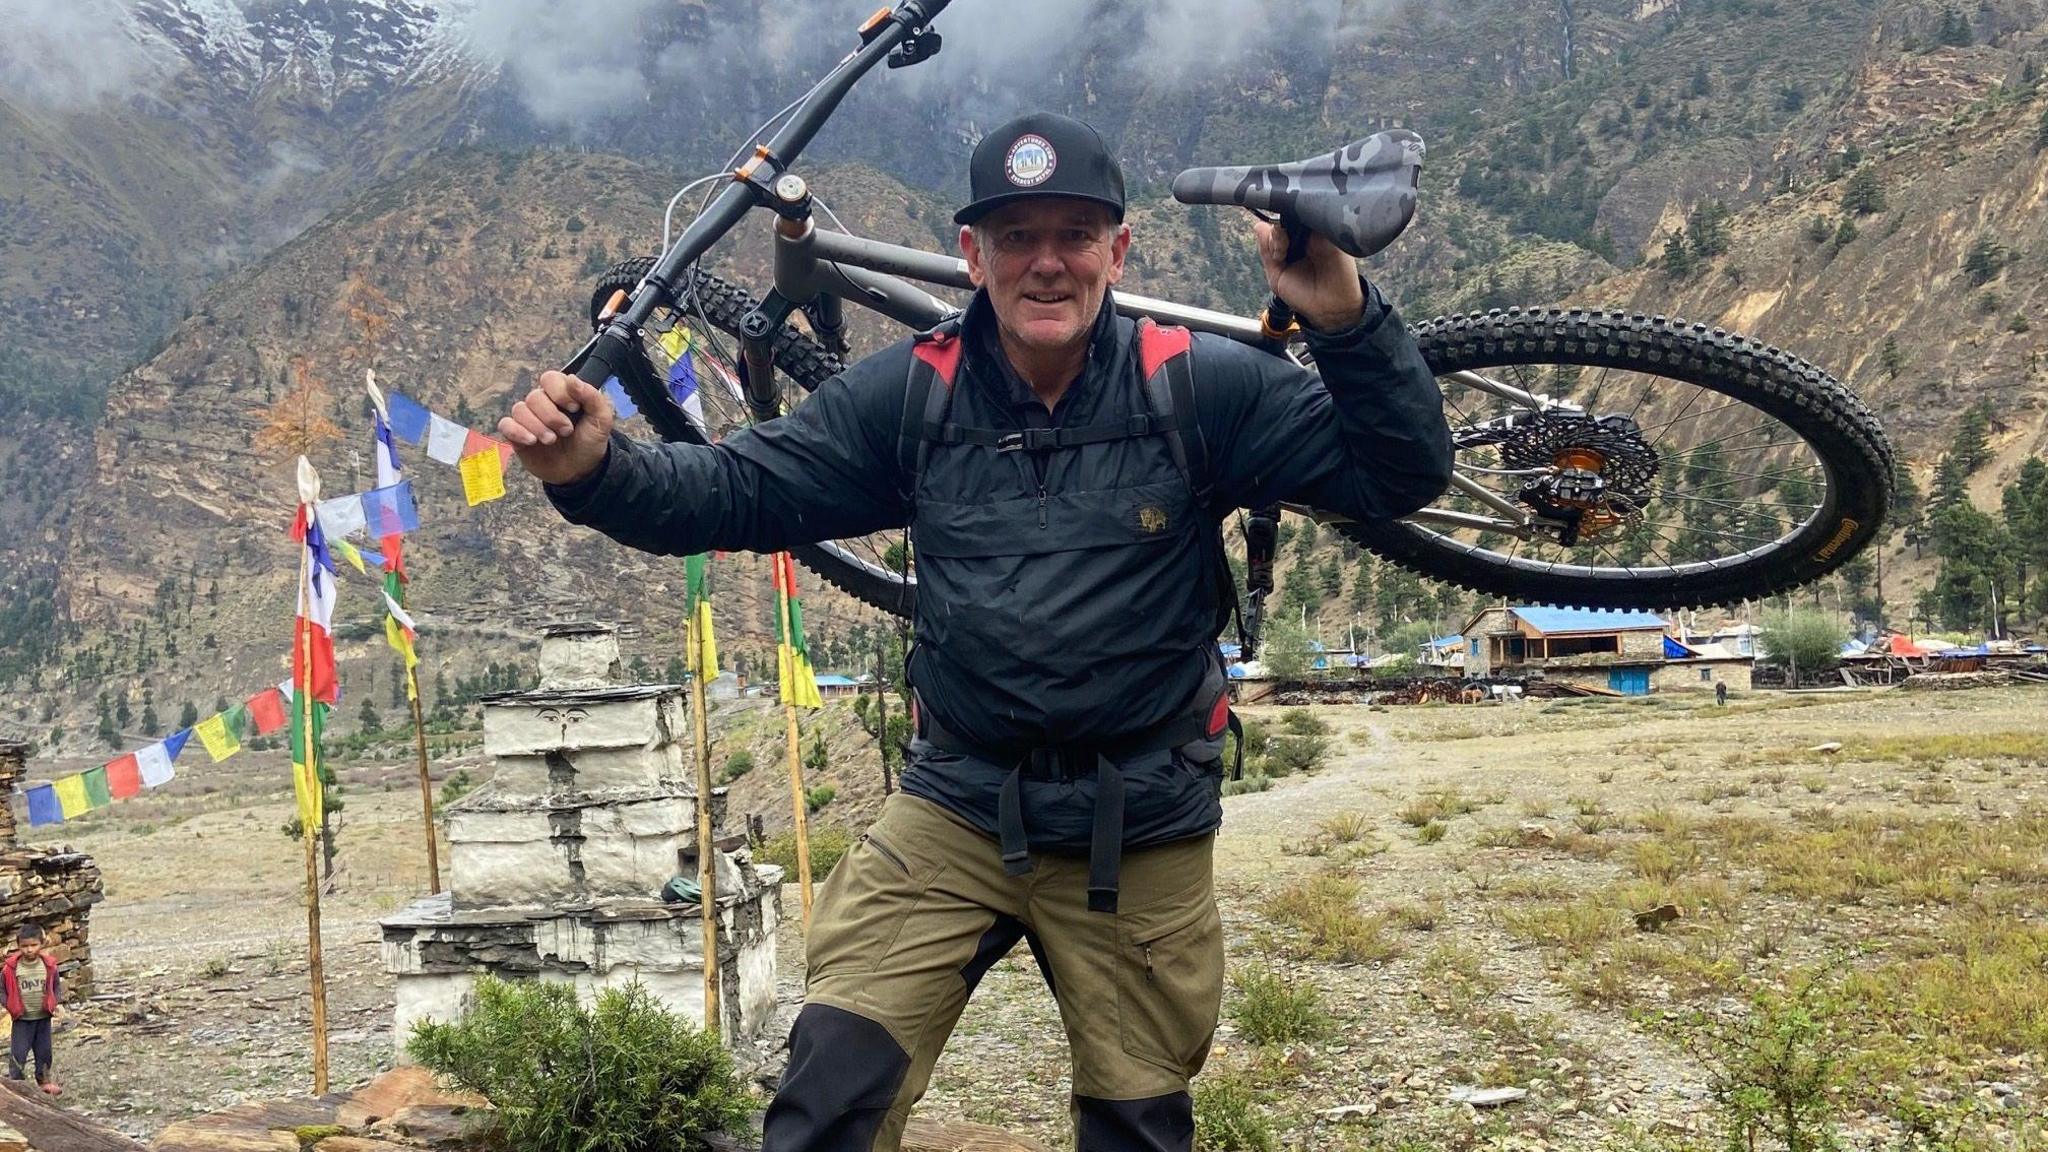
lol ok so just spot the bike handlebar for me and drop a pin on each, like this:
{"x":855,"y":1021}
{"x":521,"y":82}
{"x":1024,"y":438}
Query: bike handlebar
{"x":608,"y":352}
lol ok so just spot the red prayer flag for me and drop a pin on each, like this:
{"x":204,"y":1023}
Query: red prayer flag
{"x":266,"y":711}
{"x":320,"y":678}
{"x":124,"y":777}
{"x":477,"y":442}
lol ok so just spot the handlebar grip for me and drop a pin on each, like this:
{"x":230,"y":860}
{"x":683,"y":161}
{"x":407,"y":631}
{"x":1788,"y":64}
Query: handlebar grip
{"x":1297,"y":236}
{"x":604,"y":357}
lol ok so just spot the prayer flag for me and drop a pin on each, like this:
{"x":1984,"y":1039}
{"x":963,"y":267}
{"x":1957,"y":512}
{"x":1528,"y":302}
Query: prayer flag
{"x":483,"y":477}
{"x":682,"y":374}
{"x":97,"y":791}
{"x":348,"y":552}
{"x":445,"y":439}
{"x":622,"y":404}
{"x":154,"y":763}
{"x":175,"y":744}
{"x":71,"y":797}
{"x":124,"y":776}
{"x":306,"y":766}
{"x":237,"y":719}
{"x":312,"y":639}
{"x":390,"y":511}
{"x":43,"y":807}
{"x":213,"y":732}
{"x":477,"y":442}
{"x":266,"y":711}
{"x":341,"y":516}
{"x":799,"y":684}
{"x":703,"y":660}
{"x":408,"y":419}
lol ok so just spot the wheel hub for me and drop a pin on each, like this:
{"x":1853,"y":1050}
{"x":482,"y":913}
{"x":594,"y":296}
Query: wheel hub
{"x":1596,"y":471}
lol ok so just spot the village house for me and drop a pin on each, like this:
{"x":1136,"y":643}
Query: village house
{"x":1625,"y":652}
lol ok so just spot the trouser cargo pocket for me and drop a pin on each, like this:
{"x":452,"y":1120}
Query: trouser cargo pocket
{"x":873,"y":889}
{"x":1170,"y":979}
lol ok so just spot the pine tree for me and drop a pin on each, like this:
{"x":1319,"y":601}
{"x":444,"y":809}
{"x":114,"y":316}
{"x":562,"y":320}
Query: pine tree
{"x":1846,"y":234}
{"x":188,"y":715}
{"x":1361,"y":585}
{"x":1678,"y":260}
{"x":122,"y":715}
{"x":150,"y":724}
{"x":1955,"y":31}
{"x":1971,"y":447}
{"x":367,"y":720}
{"x":1332,"y":576}
{"x":1863,"y":194}
{"x":108,"y":734}
{"x":1890,"y":358}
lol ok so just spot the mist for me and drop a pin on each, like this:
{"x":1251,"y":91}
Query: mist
{"x":67,"y":57}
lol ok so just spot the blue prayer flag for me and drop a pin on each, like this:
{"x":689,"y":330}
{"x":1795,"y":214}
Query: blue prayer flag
{"x":175,"y":742}
{"x":43,"y":807}
{"x":682,"y":379}
{"x":616,"y":393}
{"x":390,"y":511}
{"x":408,"y":419}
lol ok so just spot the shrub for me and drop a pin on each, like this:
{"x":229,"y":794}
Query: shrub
{"x":458,"y":784}
{"x":1293,"y":753}
{"x":625,"y":1075}
{"x":1324,"y":911}
{"x":1271,"y":1009}
{"x":1303,"y":722}
{"x":1251,"y":782}
{"x":827,"y":846}
{"x":1432,"y":832}
{"x":818,"y":797}
{"x":1227,"y":1119}
{"x":739,"y":764}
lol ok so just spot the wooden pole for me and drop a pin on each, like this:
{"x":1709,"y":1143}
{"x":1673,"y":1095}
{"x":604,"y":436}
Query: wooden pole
{"x":707,"y":869}
{"x":303,"y":697}
{"x":419,"y":743}
{"x":798,"y":803}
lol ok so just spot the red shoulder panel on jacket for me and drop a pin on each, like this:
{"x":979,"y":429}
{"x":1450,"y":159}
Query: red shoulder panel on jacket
{"x":942,"y":353}
{"x":1158,"y":343}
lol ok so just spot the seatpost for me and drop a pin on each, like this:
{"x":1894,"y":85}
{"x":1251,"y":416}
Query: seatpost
{"x":1261,"y":541}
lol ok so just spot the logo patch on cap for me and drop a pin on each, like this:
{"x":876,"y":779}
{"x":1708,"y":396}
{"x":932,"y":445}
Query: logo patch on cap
{"x":1030,"y":161}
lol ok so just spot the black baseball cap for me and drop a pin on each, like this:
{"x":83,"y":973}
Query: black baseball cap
{"x":1042,"y":154}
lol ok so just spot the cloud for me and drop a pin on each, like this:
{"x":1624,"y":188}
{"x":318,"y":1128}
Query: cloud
{"x":570,"y":64}
{"x":63,"y":57}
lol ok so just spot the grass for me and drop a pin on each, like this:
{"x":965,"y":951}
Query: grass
{"x":1435,"y":806}
{"x":1575,"y":926}
{"x":828,"y":844}
{"x":1432,"y":832}
{"x":1417,"y":915}
{"x":1273,"y":1009}
{"x":1345,"y":827}
{"x":1326,"y":923}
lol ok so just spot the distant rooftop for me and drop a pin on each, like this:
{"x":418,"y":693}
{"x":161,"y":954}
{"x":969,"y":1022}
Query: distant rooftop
{"x":1554,"y":620}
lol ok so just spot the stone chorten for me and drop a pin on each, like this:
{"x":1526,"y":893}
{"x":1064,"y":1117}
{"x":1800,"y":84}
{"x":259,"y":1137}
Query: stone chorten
{"x":556,"y":866}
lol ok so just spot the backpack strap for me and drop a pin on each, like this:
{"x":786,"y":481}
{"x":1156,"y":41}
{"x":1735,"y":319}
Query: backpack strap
{"x":934,"y":359}
{"x":1165,"y":359}
{"x":1166,"y":367}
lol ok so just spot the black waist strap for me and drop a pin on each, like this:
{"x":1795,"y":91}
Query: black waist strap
{"x":1069,"y":762}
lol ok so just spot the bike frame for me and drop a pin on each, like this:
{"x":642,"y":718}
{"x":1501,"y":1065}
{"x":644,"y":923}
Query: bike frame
{"x":815,"y":267}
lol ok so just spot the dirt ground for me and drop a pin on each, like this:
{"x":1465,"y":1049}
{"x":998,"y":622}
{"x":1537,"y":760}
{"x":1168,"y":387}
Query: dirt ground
{"x":1449,"y":900}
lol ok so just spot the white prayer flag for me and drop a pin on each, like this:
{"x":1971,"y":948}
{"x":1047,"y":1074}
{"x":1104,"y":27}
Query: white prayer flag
{"x":342,"y":516}
{"x":155,"y":764}
{"x":445,"y":439}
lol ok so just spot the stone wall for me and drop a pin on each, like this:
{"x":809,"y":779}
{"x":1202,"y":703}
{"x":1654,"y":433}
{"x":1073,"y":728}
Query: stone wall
{"x":51,"y":888}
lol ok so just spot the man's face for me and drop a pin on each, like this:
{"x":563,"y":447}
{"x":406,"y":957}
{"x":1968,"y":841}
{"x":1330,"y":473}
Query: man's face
{"x":1046,"y":264}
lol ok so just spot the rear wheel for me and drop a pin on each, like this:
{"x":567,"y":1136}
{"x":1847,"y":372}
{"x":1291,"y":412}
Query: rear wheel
{"x":1626,"y":461}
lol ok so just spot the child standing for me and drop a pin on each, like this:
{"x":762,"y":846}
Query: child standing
{"x":29,"y":978}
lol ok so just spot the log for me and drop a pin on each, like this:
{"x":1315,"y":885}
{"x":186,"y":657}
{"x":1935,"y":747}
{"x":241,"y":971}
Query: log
{"x":45,"y":1124}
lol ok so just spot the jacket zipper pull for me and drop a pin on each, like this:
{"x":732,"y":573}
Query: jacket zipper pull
{"x":1148,"y":965}
{"x":1041,"y":505}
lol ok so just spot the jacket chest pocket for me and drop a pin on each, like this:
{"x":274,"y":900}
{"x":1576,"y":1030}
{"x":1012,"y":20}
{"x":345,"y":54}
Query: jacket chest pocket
{"x":1135,"y":516}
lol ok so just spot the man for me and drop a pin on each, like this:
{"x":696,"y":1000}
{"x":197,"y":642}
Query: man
{"x":29,"y":979}
{"x":1064,"y":783}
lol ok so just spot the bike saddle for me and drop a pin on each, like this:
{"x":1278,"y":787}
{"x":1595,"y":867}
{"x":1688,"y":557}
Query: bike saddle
{"x":1359,"y":197}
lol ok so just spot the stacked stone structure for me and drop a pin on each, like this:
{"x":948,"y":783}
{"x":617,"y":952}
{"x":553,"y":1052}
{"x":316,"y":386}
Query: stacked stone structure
{"x":556,"y":867}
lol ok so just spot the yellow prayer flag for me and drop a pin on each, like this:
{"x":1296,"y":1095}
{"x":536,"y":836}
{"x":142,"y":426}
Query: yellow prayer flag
{"x":348,"y":552}
{"x":71,"y":797}
{"x":674,"y":342}
{"x":483,"y":477}
{"x":213,"y":732}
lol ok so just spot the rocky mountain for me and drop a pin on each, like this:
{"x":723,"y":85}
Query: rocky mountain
{"x":243,"y":184}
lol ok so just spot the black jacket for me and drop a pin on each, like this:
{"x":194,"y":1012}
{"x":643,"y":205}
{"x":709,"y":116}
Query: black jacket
{"x":1063,"y":596}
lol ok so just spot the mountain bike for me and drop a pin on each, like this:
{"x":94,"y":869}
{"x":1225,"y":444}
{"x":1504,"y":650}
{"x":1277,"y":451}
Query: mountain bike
{"x":1603,"y":459}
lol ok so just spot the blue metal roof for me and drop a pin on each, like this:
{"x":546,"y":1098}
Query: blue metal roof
{"x":1588,"y":620}
{"x":1451,"y":641}
{"x":832,"y":680}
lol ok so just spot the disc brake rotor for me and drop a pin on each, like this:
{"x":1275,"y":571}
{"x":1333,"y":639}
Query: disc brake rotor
{"x":1596,"y":471}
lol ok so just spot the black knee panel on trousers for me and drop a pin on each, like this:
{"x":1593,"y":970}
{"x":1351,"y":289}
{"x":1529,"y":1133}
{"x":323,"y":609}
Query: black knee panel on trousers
{"x":1155,"y":1124}
{"x":844,"y":1072}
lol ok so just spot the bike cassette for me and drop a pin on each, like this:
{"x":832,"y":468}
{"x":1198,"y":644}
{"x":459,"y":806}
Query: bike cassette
{"x":1596,"y":471}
